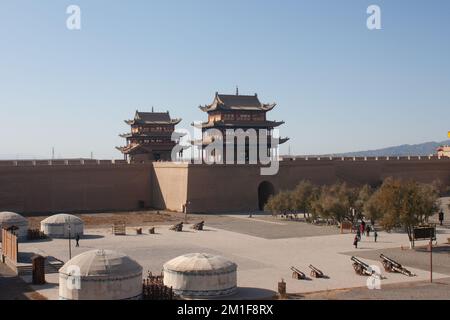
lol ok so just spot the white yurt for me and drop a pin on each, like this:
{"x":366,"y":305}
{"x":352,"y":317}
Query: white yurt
{"x":100,"y":275}
{"x":201,"y":275}
{"x":59,"y":226}
{"x":9,"y":219}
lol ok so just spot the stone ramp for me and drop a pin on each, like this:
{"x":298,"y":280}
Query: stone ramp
{"x":24,"y":266}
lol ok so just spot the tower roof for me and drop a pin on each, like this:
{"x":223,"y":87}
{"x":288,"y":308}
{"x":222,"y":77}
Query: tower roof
{"x":237,"y":102}
{"x":152,"y":118}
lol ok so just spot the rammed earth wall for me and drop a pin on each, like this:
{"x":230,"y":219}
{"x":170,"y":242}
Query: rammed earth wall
{"x":77,"y":186}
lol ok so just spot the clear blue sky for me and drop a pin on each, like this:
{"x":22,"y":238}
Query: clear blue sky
{"x":339,"y":86}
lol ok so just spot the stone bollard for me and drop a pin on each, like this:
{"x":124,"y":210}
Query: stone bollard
{"x":38,"y":262}
{"x":282,"y":289}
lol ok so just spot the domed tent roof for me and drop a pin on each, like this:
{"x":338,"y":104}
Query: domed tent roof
{"x":62,"y":218}
{"x":12,"y":218}
{"x":202,"y":263}
{"x":103,"y":263}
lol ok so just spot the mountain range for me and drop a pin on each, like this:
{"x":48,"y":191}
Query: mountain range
{"x":422,"y":149}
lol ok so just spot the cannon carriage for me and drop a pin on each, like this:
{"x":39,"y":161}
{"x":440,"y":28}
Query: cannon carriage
{"x":178,"y":227}
{"x":198,"y":226}
{"x":297,"y":274}
{"x":361,"y":268}
{"x":315,"y":272}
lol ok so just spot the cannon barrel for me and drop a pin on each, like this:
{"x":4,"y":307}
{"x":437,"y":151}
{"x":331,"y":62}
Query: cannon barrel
{"x":316,"y":272}
{"x":314,"y":268}
{"x":404,"y":271}
{"x":298,"y":272}
{"x":295,"y":270}
{"x":397,"y":267}
{"x":356,"y":260}
{"x":393,"y":262}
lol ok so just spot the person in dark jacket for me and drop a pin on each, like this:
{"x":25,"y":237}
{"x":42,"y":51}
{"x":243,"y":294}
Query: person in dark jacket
{"x":441,"y":217}
{"x":355,"y":242}
{"x":77,"y":240}
{"x":375,"y":235}
{"x":368,"y":230}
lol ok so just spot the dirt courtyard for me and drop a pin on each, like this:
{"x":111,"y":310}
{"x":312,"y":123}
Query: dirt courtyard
{"x":107,"y":219}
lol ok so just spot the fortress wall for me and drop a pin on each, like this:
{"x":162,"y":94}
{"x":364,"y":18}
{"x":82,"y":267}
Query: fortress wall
{"x":360,"y":171}
{"x":223,"y":188}
{"x":422,"y":171}
{"x":169,"y":185}
{"x":33,"y":186}
{"x":71,"y":188}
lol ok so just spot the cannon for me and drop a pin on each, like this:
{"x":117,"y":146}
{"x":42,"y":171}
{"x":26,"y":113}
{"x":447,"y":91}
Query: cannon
{"x":316,"y":273}
{"x":297,"y":274}
{"x":391,"y":265}
{"x":361,"y":268}
{"x":198,"y":226}
{"x":178,"y":227}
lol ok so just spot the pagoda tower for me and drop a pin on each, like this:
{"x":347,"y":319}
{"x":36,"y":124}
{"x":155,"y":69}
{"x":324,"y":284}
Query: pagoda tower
{"x":238,"y":112}
{"x":150,"y":138}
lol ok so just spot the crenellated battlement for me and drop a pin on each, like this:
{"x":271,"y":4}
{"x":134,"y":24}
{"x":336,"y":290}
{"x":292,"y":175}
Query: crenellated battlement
{"x":284,"y":161}
{"x":384,"y":158}
{"x":69,"y":162}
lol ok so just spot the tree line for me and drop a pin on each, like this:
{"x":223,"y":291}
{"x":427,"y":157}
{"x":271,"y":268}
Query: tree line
{"x":395,"y":203}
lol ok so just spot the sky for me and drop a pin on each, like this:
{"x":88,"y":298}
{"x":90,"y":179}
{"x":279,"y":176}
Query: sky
{"x":338,"y":86}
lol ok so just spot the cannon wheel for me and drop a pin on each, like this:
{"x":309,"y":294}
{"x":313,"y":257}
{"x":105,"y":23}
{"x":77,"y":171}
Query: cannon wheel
{"x":387,"y":266}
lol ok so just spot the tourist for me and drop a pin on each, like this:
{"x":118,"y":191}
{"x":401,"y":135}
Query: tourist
{"x":375,"y":235}
{"x":77,"y":240}
{"x":355,"y":242}
{"x":363,"y":227}
{"x":441,"y":217}
{"x":358,"y":235}
{"x":368,"y":230}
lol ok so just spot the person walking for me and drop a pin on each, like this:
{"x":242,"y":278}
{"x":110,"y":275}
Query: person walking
{"x":355,"y":242}
{"x":358,"y":235}
{"x":368,"y":231}
{"x":77,"y":240}
{"x":375,"y":235}
{"x":441,"y":217}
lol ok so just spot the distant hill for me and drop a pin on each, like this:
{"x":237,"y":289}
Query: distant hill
{"x":423,"y":149}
